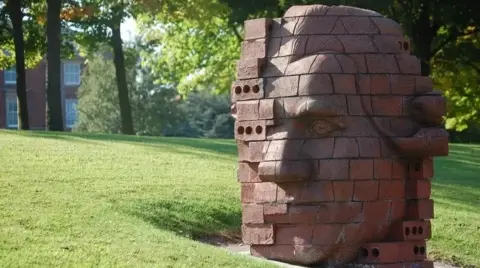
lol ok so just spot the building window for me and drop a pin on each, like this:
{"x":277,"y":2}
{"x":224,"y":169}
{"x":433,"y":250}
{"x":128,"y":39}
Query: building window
{"x":71,"y":112}
{"x":10,"y":76}
{"x":71,"y":73}
{"x":12,"y":112}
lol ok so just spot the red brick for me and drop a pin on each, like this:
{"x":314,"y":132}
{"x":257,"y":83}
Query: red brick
{"x":258,"y":192}
{"x":364,"y":83}
{"x":393,"y":252}
{"x":388,"y":44}
{"x":250,"y":68}
{"x":258,"y":234}
{"x":388,"y":26}
{"x":409,"y":64}
{"x":423,"y":84}
{"x":290,"y":253}
{"x":273,"y":47}
{"x":252,"y":213}
{"x":418,"y":189}
{"x":421,"y":264}
{"x":247,"y":90}
{"x":351,"y":11}
{"x":358,"y":104}
{"x":323,"y":63}
{"x":402,"y":84}
{"x":392,"y":190}
{"x":305,"y":192}
{"x":331,"y":212}
{"x":365,"y":191}
{"x":343,"y":190}
{"x":257,"y":28}
{"x":310,"y":26}
{"x":359,"y":25}
{"x":315,"y":84}
{"x":403,"y":126}
{"x":294,"y":235}
{"x":411,"y":230}
{"x":387,"y":105}
{"x":247,"y":110}
{"x":274,"y":209}
{"x":429,"y":109}
{"x":291,"y":171}
{"x":266,"y":109}
{"x":380,"y":85}
{"x":377,"y":211}
{"x":254,"y":49}
{"x":422,"y":169}
{"x":283,"y":150}
{"x":320,"y":43}
{"x":267,"y":171}
{"x":369,"y":147}
{"x":327,"y":234}
{"x":247,"y":172}
{"x":381,"y":63}
{"x":347,"y":64}
{"x":398,"y":211}
{"x":250,"y":130}
{"x":333,"y":169}
{"x":357,"y":43}
{"x":420,"y":209}
{"x":382,"y":169}
{"x":319,"y":148}
{"x":281,"y":87}
{"x":344,"y":84}
{"x":360,"y":62}
{"x":399,"y":170}
{"x":345,"y":148}
{"x":361,"y":169}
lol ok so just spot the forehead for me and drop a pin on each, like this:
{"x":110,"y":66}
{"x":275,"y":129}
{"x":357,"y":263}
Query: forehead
{"x":321,"y":50}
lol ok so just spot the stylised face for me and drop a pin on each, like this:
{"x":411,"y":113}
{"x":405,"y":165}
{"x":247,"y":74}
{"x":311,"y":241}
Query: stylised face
{"x":336,"y":129}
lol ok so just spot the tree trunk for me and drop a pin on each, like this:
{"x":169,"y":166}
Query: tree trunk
{"x":124,"y":100}
{"x":15,"y":12}
{"x":54,"y":99}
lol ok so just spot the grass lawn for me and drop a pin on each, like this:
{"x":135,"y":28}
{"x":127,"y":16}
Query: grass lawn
{"x":112,"y":201}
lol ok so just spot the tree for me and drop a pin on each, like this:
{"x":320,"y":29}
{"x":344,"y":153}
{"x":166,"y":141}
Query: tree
{"x":15,"y":13}
{"x":54,"y":98}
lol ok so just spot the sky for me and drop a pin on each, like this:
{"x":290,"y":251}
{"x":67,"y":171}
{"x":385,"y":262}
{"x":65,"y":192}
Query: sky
{"x":128,"y":29}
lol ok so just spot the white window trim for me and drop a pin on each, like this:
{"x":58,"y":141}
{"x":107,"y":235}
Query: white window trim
{"x":65,"y":65}
{"x":67,"y":113}
{"x":7,"y":100}
{"x":9,"y":82}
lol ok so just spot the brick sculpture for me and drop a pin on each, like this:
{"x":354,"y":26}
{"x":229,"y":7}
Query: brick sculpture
{"x":336,"y":130}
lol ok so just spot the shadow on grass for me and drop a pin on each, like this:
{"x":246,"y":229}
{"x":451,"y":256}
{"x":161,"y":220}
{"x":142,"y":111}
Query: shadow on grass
{"x":214,"y":145}
{"x":194,"y":219}
{"x":457,"y":180}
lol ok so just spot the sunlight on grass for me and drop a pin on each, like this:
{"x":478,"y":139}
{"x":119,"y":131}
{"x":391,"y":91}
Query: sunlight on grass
{"x":78,"y":200}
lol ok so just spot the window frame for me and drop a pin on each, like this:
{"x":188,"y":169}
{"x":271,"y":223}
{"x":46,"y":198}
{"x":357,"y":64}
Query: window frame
{"x":6,"y":73}
{"x":67,"y":71}
{"x":8,"y":113}
{"x":69,"y":113}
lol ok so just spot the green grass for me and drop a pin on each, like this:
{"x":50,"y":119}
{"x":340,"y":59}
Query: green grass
{"x":75,"y":200}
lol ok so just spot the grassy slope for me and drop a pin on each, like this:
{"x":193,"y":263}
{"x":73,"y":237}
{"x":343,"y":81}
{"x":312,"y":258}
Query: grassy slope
{"x":87,"y":201}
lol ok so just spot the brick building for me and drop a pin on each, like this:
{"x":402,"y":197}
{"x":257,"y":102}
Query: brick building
{"x":36,"y":80}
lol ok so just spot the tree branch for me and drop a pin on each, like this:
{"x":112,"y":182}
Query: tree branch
{"x":453,"y":36}
{"x":235,"y":31}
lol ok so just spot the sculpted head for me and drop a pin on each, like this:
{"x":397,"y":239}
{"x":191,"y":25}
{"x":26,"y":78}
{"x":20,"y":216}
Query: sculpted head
{"x":336,"y":130}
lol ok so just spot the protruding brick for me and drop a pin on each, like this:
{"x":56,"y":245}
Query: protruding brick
{"x":258,"y":192}
{"x":266,"y":109}
{"x":247,"y":90}
{"x":418,"y":189}
{"x":250,"y":130}
{"x":252,"y":213}
{"x":392,"y":252}
{"x":411,"y":230}
{"x":254,"y":49}
{"x":257,"y":28}
{"x":258,"y":234}
{"x":247,"y":110}
{"x":420,"y":170}
{"x":247,"y":172}
{"x":420,"y":209}
{"x":275,"y":209}
{"x":250,"y":68}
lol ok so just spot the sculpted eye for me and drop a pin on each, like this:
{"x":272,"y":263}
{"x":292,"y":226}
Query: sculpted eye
{"x":323,"y":127}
